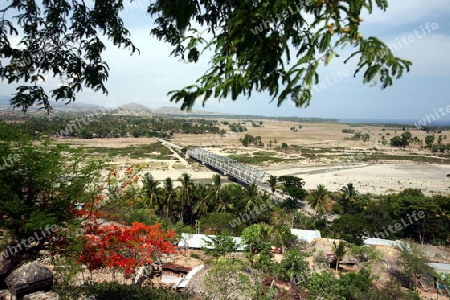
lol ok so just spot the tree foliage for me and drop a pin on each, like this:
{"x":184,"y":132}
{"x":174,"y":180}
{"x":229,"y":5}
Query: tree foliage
{"x":220,"y":245}
{"x":226,"y":280}
{"x":61,"y":39}
{"x":40,"y":188}
{"x":413,"y":259}
{"x":256,"y":46}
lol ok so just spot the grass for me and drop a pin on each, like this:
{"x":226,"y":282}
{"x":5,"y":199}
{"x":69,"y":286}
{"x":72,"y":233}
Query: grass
{"x":153,"y":151}
{"x":418,"y":158}
{"x":260,"y":158}
{"x":314,"y":151}
{"x":254,"y":160}
{"x":263,"y":153}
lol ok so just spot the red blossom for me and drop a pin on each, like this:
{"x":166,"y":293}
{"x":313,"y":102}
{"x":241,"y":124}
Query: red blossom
{"x":125,"y":247}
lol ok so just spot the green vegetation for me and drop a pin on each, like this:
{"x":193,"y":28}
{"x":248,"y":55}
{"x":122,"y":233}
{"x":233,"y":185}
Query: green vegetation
{"x":411,"y":157}
{"x":250,"y":139}
{"x":235,"y":127}
{"x":115,"y":291}
{"x":103,"y":125}
{"x":257,"y":159}
{"x":359,"y":136}
{"x":152,"y":151}
{"x":347,"y":130}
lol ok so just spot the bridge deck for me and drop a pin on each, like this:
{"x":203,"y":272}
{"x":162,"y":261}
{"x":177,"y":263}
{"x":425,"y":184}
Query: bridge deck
{"x":230,"y":167}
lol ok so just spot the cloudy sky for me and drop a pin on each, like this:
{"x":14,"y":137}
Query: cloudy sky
{"x":146,"y":78}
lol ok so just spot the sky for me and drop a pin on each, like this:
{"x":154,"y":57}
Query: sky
{"x":424,"y":91}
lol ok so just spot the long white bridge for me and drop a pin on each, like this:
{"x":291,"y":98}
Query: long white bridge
{"x":230,"y":167}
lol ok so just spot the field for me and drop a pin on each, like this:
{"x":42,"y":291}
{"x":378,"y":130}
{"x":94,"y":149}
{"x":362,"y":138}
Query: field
{"x":320,"y":153}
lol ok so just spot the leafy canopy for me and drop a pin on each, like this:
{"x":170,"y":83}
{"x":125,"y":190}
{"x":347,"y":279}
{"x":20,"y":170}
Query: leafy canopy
{"x":272,"y":46}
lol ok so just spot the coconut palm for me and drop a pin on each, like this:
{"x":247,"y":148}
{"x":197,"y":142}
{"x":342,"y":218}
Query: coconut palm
{"x":215,"y":194}
{"x":348,"y":195}
{"x":169,"y":195}
{"x":319,"y":199}
{"x":230,"y":194}
{"x":251,"y":196}
{"x":185,"y":194}
{"x":150,"y":186}
{"x":201,"y":196}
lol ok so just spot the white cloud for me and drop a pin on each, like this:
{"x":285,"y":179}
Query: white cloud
{"x":400,"y":12}
{"x":429,"y":55}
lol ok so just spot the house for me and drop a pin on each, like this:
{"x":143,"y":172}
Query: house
{"x":439,"y":267}
{"x":197,"y":241}
{"x":442,"y":269}
{"x":306,"y":235}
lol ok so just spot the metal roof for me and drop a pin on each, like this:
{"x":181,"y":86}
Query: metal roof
{"x":440,"y":267}
{"x":382,"y":242}
{"x":197,"y":241}
{"x":306,"y":235}
{"x":184,"y":282}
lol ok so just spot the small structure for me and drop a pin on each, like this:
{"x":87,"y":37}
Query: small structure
{"x":442,"y":269}
{"x":306,"y":235}
{"x":173,"y":274}
{"x":183,"y":283}
{"x":197,"y":241}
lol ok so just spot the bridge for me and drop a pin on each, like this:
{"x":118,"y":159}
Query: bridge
{"x":230,"y":167}
{"x":241,"y":172}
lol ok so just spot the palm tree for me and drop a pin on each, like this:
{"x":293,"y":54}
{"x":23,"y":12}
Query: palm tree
{"x":251,"y":195}
{"x":215,"y":189}
{"x":224,"y":206}
{"x":169,"y":195}
{"x":348,"y":195}
{"x":339,"y":252}
{"x":202,"y":198}
{"x":150,"y":186}
{"x":273,"y":183}
{"x":319,"y":200}
{"x":185,"y":194}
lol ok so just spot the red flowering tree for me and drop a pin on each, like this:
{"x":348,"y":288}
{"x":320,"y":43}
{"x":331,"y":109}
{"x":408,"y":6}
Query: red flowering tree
{"x":124,"y":247}
{"x":115,"y":245}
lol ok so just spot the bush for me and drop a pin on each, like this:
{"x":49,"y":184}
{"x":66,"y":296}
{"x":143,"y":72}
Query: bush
{"x":115,"y":291}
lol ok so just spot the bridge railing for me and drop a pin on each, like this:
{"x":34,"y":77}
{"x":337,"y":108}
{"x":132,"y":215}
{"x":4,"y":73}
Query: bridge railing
{"x":228,"y":166}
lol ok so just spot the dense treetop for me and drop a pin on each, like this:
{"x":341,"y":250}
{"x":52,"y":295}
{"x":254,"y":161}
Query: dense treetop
{"x":272,"y":46}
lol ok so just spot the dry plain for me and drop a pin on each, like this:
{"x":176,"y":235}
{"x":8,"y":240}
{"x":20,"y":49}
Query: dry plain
{"x":320,"y":153}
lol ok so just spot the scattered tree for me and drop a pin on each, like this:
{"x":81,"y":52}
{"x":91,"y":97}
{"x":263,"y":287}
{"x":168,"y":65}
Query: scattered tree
{"x":413,"y":259}
{"x":272,"y":183}
{"x":219,"y":245}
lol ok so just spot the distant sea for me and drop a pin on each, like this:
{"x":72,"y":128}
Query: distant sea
{"x":395,"y":121}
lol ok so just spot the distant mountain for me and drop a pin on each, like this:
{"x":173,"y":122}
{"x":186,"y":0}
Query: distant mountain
{"x":133,"y":107}
{"x":74,"y":106}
